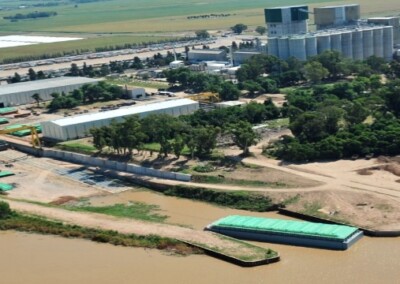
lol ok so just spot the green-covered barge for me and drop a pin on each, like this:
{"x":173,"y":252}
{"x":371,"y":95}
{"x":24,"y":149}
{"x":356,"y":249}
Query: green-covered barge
{"x":299,"y":233}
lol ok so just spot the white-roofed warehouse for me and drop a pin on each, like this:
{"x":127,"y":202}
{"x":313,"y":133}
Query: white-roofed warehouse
{"x":21,"y":93}
{"x":75,"y":127}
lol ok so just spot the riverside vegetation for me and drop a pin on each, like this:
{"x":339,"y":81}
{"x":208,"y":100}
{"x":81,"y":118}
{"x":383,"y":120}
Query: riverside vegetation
{"x":10,"y":220}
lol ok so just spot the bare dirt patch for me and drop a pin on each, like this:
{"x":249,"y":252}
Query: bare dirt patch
{"x":36,"y":179}
{"x":359,"y":209}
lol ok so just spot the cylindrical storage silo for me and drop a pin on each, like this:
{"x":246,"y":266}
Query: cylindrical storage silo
{"x":283,"y":46}
{"x":358,"y":52}
{"x":336,"y":42}
{"x":388,"y":43}
{"x":368,"y":43}
{"x":297,"y":48}
{"x":378,"y":42}
{"x":347,"y":44}
{"x":311,"y":46}
{"x":273,"y":46}
{"x":323,"y":42}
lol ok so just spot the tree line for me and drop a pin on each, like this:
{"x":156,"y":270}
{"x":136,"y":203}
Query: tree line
{"x":343,"y":120}
{"x":198,"y":132}
{"x":33,"y":15}
{"x":88,"y":93}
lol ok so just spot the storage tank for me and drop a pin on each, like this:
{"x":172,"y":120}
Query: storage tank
{"x":368,"y":43}
{"x":283,"y":46}
{"x":273,"y":46}
{"x":336,"y":42}
{"x":378,"y":42}
{"x":347,"y":44}
{"x":387,"y":43}
{"x":311,"y":46}
{"x":357,"y":40}
{"x":323,"y":42}
{"x":297,"y":48}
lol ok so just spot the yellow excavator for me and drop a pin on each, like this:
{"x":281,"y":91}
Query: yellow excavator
{"x":35,"y":141}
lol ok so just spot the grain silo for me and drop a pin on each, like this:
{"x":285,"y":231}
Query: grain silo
{"x":336,"y":42}
{"x":347,"y":44}
{"x":297,"y":47}
{"x":378,"y":40}
{"x":311,"y":46}
{"x":323,"y":42}
{"x":388,"y":43}
{"x":273,"y":46}
{"x":368,"y":43}
{"x":283,"y":46}
{"x":358,"y":51}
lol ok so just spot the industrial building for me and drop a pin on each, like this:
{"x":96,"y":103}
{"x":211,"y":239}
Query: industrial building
{"x":357,"y":43}
{"x":239,"y":57}
{"x":21,"y":93}
{"x":75,"y":127}
{"x":388,"y":21}
{"x":199,"y":55}
{"x":137,"y":93}
{"x":283,"y":21}
{"x":337,"y":237}
{"x":335,"y":16}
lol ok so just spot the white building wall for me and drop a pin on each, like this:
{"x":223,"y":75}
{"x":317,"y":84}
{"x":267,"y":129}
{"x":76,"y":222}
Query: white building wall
{"x":52,"y":130}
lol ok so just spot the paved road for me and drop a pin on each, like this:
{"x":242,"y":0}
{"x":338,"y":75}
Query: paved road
{"x":5,"y":73}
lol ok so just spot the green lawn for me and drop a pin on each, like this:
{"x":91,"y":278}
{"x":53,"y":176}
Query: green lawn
{"x":78,"y":147}
{"x":136,"y":210}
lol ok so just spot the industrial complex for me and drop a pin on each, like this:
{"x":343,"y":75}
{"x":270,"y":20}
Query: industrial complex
{"x":21,"y":93}
{"x":338,"y":28}
{"x":298,"y":233}
{"x":79,"y":126}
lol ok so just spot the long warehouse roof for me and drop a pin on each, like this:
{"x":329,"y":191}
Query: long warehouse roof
{"x":122,"y":112}
{"x":44,"y":84}
{"x":286,"y":226}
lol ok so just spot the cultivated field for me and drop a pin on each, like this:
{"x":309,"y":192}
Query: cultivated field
{"x":100,"y":22}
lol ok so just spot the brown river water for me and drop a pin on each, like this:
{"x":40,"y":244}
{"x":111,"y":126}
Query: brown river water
{"x":28,"y":258}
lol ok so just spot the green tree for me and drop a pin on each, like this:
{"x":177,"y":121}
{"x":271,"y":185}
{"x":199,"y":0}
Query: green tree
{"x":202,"y":34}
{"x":205,"y":140}
{"x":315,"y":72}
{"x":239,"y":28}
{"x":244,"y":136}
{"x":228,"y":92}
{"x":261,"y":30}
{"x":74,"y":70}
{"x":16,"y":78}
{"x":178,"y":145}
{"x":5,"y":210}
{"x":32,"y":74}
{"x":37,"y":98}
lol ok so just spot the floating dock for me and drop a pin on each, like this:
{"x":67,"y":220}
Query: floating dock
{"x":299,"y":233}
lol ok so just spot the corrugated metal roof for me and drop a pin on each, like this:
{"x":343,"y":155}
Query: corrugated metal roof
{"x":122,"y":112}
{"x":44,"y":84}
{"x":286,"y":226}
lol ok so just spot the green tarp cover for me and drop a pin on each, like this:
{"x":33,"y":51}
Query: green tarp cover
{"x":6,"y":186}
{"x":5,"y":174}
{"x":286,"y":226}
{"x":3,"y":120}
{"x":14,"y":126}
{"x":7,"y":109}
